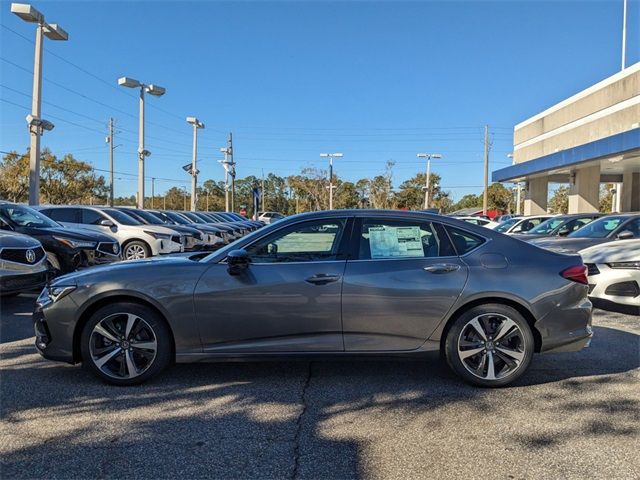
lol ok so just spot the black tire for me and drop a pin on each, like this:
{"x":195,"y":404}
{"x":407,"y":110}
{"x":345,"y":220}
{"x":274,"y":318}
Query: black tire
{"x":152,"y":327}
{"x":54,"y":264}
{"x":137,"y":246}
{"x":510,"y":359}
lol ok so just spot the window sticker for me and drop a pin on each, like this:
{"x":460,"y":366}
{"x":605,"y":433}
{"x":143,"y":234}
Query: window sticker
{"x":390,"y":242}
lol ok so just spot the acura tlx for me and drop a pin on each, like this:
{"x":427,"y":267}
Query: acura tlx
{"x":344,"y":283}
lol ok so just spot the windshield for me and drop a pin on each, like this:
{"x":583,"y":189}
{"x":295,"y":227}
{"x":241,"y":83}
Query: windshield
{"x":504,"y":226}
{"x":547,"y":226}
{"x":26,"y":217}
{"x":174,"y":217}
{"x":599,"y":228}
{"x":192,"y":216}
{"x":146,"y":216}
{"x":121,"y":217}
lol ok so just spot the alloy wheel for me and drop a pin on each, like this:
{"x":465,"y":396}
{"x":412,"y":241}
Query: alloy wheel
{"x":491,"y":346}
{"x":135,"y":252}
{"x":123,"y":345}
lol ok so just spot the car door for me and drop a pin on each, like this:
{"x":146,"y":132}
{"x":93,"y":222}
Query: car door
{"x":404,"y":279}
{"x":287,"y":300}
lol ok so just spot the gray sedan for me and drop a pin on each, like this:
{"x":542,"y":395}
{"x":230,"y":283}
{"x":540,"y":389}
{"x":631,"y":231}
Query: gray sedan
{"x":344,"y":283}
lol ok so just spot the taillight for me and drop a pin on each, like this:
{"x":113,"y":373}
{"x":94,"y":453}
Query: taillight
{"x":576,"y":274}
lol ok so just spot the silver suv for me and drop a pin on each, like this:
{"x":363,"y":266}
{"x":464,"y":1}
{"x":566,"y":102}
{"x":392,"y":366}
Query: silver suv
{"x":138,"y":240}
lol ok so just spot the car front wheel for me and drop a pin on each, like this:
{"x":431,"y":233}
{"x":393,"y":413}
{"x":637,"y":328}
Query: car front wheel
{"x":489,"y":345}
{"x":135,"y":250}
{"x":125,"y":344}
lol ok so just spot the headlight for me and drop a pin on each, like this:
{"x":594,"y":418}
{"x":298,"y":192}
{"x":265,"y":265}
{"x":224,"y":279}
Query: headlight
{"x":625,"y":265}
{"x":159,"y":236}
{"x":51,"y":294}
{"x":69,"y":242}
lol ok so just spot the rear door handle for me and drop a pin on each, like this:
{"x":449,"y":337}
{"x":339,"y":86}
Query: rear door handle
{"x":322,"y":279}
{"x":442,"y":268}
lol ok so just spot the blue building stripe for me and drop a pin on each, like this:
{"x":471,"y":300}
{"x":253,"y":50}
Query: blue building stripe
{"x":613,"y":145}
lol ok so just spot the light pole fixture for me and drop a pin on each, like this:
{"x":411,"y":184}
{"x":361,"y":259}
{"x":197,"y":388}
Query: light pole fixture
{"x":194,"y":171}
{"x":156,"y":91}
{"x":36,"y":124}
{"x":427,"y":188}
{"x":331,"y":156}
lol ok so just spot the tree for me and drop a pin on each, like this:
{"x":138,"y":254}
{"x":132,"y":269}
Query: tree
{"x":411,"y":193}
{"x":380,"y":188}
{"x":559,"y":202}
{"x":65,"y":180}
{"x":499,"y":197}
{"x":468,"y":201}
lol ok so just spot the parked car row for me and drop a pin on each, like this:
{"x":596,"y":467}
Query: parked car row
{"x":73,"y":237}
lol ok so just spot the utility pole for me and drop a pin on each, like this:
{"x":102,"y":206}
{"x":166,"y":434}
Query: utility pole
{"x":427,"y":184}
{"x":111,"y":147}
{"x":518,"y":197}
{"x":229,"y":169}
{"x":485,"y":196}
{"x":262,"y":193}
{"x":207,"y":200}
{"x":233,"y":174}
{"x":624,"y":34}
{"x":194,"y":170}
{"x":331,"y":156}
{"x":164,"y":202}
{"x":153,"y":190}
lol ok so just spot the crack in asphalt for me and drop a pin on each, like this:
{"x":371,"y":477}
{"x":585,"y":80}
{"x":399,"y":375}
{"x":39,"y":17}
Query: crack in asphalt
{"x":296,"y":438}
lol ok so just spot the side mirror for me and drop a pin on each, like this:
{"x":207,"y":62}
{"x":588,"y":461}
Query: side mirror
{"x":625,"y":235}
{"x":564,"y":231}
{"x":238,"y":261}
{"x":106,"y":223}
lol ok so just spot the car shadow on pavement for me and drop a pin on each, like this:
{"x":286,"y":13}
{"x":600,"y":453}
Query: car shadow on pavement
{"x":302,"y":419}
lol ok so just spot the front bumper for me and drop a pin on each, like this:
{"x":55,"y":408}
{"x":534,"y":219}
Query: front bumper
{"x":168,"y":246}
{"x":24,"y":282}
{"x":54,"y":326}
{"x":614,"y":285}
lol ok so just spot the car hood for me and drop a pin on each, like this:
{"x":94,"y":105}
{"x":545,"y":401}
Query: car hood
{"x":567,"y":245}
{"x":77,"y":234}
{"x":157,"y":229}
{"x":618,"y":251}
{"x":98,"y":273}
{"x":17,"y":240}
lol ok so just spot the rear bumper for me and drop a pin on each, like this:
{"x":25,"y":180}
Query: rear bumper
{"x":566,"y":330}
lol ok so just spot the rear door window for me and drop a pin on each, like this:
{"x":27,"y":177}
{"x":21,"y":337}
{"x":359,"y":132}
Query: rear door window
{"x":68,"y":215}
{"x":399,"y":239}
{"x":463,"y":241}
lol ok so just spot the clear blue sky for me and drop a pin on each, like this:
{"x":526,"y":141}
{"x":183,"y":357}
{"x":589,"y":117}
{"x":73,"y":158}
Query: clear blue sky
{"x":376,"y":81}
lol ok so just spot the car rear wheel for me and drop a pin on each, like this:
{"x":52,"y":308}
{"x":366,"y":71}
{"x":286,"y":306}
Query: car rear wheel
{"x":135,"y":250}
{"x":489,"y":345}
{"x":125,"y":344}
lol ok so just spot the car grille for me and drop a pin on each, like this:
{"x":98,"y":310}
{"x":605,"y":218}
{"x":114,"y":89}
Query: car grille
{"x":24,"y":281}
{"x":108,"y":248}
{"x":19,"y":255}
{"x":177,"y":238}
{"x":592,"y":269}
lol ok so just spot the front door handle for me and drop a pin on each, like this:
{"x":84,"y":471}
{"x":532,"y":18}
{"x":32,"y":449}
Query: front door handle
{"x":322,"y":279}
{"x":442,"y":268}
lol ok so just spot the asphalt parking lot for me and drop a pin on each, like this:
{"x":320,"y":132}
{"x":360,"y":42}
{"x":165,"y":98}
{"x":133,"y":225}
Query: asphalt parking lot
{"x":574,"y":415}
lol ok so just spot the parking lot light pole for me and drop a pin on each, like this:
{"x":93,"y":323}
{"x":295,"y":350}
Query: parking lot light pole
{"x":427,"y":187}
{"x":156,"y":91}
{"x":194,"y":171}
{"x":331,"y":156}
{"x":36,"y":125}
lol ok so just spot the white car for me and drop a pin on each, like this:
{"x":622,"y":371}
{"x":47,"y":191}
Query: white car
{"x":521,"y":224}
{"x":137,"y":239}
{"x":269,"y":217}
{"x":483,"y":222}
{"x":614,"y":275}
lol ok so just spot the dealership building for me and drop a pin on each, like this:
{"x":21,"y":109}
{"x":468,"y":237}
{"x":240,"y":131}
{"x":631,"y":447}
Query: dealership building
{"x":588,"y":139}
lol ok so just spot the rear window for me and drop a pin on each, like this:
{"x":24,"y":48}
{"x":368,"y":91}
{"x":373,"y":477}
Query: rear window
{"x":464,"y":241}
